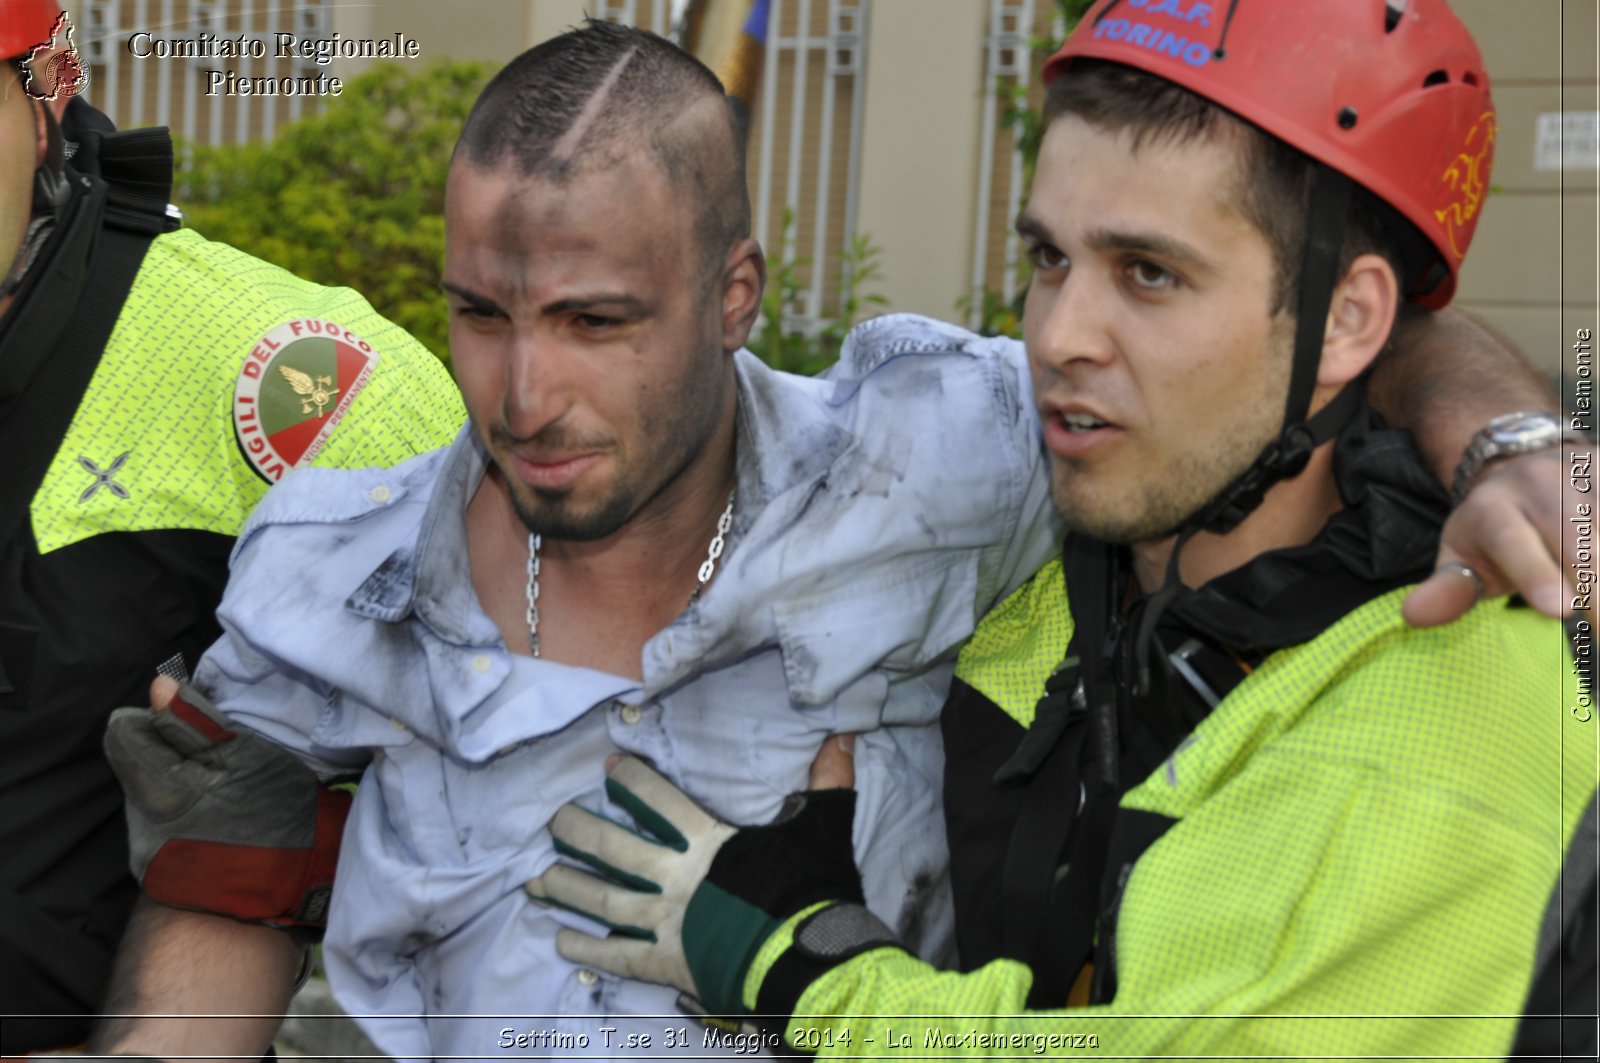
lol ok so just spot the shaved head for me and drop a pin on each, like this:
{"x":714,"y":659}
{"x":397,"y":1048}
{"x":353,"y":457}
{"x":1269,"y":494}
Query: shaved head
{"x":601,"y":93}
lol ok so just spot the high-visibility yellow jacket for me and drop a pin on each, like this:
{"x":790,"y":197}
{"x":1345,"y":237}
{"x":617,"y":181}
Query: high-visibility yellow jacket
{"x":1368,"y":830}
{"x":221,"y":374}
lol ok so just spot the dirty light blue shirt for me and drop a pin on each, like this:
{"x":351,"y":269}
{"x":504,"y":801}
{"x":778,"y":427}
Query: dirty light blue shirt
{"x":881,"y":510}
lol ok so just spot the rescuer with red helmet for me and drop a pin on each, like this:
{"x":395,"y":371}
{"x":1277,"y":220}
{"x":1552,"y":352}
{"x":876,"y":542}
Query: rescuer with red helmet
{"x":1224,"y":803}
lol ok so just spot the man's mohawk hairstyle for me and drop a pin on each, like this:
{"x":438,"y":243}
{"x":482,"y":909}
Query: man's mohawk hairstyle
{"x":602,"y":92}
{"x":601,"y":86}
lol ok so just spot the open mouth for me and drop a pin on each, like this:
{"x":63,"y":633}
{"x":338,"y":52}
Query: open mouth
{"x":1082,"y":422}
{"x":1078,"y":433}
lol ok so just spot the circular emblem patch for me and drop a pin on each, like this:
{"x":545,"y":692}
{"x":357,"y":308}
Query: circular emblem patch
{"x":296,"y":384}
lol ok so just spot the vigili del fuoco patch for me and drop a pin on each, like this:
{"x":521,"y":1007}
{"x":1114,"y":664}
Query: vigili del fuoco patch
{"x":296,"y":385}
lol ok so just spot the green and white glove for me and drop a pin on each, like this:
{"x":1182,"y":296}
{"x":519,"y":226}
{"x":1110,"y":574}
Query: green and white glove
{"x":691,"y":902}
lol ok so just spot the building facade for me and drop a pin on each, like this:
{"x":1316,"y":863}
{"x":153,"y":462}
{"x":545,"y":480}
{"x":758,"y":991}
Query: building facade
{"x":887,"y":118}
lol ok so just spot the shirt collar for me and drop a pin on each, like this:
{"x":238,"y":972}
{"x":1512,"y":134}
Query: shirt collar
{"x":785,"y":437}
{"x":433,"y":577}
{"x":786,"y":440}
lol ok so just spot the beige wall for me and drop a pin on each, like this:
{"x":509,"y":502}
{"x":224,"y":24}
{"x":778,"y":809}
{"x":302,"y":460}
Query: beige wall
{"x":1531,"y":270}
{"x":484,"y":29}
{"x":919,"y":166}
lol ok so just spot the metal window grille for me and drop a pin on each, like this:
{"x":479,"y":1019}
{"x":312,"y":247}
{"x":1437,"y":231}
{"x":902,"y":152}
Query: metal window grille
{"x":816,"y":73}
{"x":1008,"y":62}
{"x":805,"y":136}
{"x":657,"y":16}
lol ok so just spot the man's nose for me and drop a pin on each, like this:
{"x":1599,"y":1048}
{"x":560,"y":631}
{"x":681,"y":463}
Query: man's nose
{"x":538,"y":384}
{"x":1068,"y":321}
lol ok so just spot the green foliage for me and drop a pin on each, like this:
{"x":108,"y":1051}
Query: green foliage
{"x":792,"y":350}
{"x":352,"y":196}
{"x":1026,"y":120}
{"x":1072,"y":12}
{"x":996,"y":317}
{"x":860,"y":268}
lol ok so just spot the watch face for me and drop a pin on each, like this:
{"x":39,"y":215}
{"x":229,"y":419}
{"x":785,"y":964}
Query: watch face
{"x":1522,"y":428}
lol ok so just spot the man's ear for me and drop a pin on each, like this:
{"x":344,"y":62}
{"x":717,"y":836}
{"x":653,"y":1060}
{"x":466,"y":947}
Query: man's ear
{"x":1359,"y":320}
{"x":744,"y":278}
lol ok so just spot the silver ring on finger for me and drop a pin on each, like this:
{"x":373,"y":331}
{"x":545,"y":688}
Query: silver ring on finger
{"x":1470,"y":573}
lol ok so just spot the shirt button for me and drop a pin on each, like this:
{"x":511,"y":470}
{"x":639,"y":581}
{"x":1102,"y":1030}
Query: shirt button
{"x":587,"y":977}
{"x":632,"y":714}
{"x":481,"y":663}
{"x":397,"y":725}
{"x":379,"y":494}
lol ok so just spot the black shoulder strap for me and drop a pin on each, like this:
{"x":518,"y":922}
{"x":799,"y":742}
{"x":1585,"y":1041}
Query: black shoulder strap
{"x":1134,"y":831}
{"x":138,"y":181}
{"x":1072,"y":844}
{"x":1048,"y":919}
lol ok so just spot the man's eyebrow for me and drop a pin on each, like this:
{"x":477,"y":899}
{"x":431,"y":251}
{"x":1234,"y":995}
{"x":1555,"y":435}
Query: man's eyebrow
{"x":472,"y":299}
{"x":630,"y":305}
{"x":1178,"y":252}
{"x":1031,"y":228}
{"x":1175,"y":251}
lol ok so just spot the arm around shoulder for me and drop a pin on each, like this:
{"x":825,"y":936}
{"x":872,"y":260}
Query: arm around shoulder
{"x":1447,"y":375}
{"x":1446,"y":378}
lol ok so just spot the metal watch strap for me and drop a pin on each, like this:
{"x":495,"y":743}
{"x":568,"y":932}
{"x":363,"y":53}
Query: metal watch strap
{"x":1540,"y":430}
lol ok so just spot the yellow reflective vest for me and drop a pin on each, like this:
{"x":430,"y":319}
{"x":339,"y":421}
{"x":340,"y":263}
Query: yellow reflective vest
{"x":222,"y":374}
{"x":1368,"y":831}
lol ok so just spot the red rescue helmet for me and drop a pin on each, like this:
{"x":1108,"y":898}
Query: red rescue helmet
{"x":1391,"y":93}
{"x":25,"y":23}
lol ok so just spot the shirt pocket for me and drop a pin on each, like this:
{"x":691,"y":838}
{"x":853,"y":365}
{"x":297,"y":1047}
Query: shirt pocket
{"x":898,"y":620}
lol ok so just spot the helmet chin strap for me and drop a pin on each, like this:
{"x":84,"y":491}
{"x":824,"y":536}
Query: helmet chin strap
{"x":51,"y":191}
{"x":1288,"y":455}
{"x":1319,"y":266}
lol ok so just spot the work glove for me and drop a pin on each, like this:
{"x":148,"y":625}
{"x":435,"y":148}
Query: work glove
{"x":692,"y":901}
{"x":222,"y":820}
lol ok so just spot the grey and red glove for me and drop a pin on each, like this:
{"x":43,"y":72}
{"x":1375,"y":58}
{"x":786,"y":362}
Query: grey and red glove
{"x":222,"y":820}
{"x":691,"y":903}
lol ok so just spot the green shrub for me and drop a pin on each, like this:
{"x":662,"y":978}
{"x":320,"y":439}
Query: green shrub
{"x":353,"y":195}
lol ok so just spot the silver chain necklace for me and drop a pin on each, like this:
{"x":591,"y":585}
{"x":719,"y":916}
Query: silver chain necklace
{"x":707,"y":567}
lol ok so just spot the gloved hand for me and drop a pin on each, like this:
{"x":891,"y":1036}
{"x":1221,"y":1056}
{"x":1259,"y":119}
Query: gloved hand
{"x":692,"y":902}
{"x":222,"y":820}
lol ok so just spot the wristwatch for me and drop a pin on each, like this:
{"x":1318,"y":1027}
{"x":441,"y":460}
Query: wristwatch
{"x":1508,"y":434}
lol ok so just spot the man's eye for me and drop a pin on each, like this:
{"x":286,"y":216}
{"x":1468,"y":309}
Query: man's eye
{"x":1151,"y":276}
{"x":597,"y":322}
{"x":1046,"y":257}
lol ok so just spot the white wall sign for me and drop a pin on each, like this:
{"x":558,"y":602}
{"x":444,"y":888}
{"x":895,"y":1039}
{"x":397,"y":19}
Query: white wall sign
{"x":1568,"y":140}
